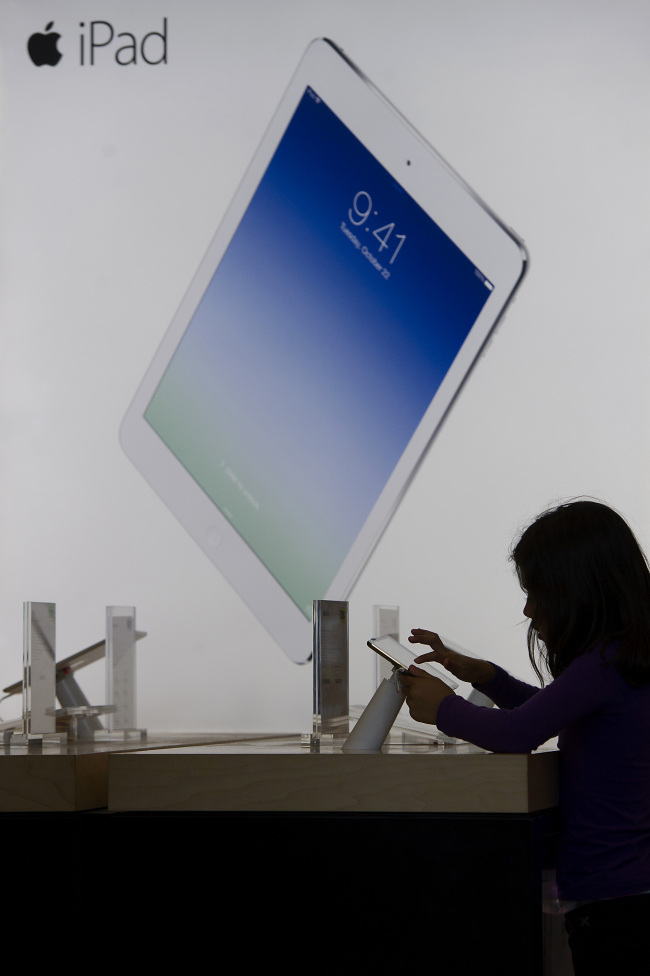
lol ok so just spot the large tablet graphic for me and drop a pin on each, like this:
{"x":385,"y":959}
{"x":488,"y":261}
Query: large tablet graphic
{"x":348,"y":291}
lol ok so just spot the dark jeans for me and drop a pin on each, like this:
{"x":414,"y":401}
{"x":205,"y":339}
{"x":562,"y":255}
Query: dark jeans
{"x":611,"y":937}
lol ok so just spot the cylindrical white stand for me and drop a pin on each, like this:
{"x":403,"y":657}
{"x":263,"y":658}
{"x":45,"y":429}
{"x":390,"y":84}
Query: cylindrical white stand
{"x":377,"y":718}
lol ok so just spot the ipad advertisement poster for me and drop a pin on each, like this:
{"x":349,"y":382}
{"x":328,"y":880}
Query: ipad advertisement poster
{"x":259,"y":344}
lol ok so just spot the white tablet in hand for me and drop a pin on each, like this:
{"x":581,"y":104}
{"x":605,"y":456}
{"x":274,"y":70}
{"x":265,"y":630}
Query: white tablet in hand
{"x":349,"y":289}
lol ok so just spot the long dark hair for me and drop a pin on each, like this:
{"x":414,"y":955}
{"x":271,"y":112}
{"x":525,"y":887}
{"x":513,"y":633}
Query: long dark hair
{"x":589,"y":585}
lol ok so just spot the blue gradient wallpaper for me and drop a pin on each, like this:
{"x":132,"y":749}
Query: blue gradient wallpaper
{"x":322,"y":338}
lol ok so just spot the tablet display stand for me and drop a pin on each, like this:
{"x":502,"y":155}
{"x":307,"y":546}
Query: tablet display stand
{"x":39,"y":668}
{"x":38,"y":728}
{"x":386,"y":713}
{"x":120,"y":676}
{"x":331,"y":671}
{"x":376,"y":721}
{"x":386,"y":624}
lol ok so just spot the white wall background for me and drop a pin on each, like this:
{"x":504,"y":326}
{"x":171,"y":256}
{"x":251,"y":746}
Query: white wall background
{"x":113,"y":181}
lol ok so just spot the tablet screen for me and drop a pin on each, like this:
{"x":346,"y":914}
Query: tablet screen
{"x":325,"y":331}
{"x":399,"y":655}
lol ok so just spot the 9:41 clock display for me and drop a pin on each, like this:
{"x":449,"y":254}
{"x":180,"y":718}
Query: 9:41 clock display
{"x":359,"y":213}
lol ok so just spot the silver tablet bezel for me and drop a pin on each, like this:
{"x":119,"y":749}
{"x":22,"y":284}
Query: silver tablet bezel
{"x":464,"y":218}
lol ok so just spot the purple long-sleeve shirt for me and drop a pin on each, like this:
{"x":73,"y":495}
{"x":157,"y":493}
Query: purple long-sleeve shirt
{"x":604,"y":740}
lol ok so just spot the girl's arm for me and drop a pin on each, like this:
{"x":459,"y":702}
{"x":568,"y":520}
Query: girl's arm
{"x":504,"y":690}
{"x":583,"y":688}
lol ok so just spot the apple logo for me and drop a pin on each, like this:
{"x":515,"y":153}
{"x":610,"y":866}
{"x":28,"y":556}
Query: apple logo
{"x":42,"y":47}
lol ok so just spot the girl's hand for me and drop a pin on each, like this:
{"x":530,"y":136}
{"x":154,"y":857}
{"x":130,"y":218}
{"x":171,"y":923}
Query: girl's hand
{"x":464,"y":668}
{"x":423,"y":694}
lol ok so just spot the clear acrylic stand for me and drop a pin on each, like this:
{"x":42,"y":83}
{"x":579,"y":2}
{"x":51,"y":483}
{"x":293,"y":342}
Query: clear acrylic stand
{"x":385,"y":620}
{"x":39,"y":680}
{"x":331,"y":711}
{"x":120,"y":677}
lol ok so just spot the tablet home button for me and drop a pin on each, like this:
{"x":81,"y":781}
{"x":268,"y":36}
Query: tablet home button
{"x":213,"y":536}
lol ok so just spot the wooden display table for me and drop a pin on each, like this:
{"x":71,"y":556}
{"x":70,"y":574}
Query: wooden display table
{"x":278,"y":774}
{"x":73,"y":778}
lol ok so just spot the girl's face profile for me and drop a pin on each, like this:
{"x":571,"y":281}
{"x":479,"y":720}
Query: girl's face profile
{"x":529,"y":607}
{"x":529,"y":611}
